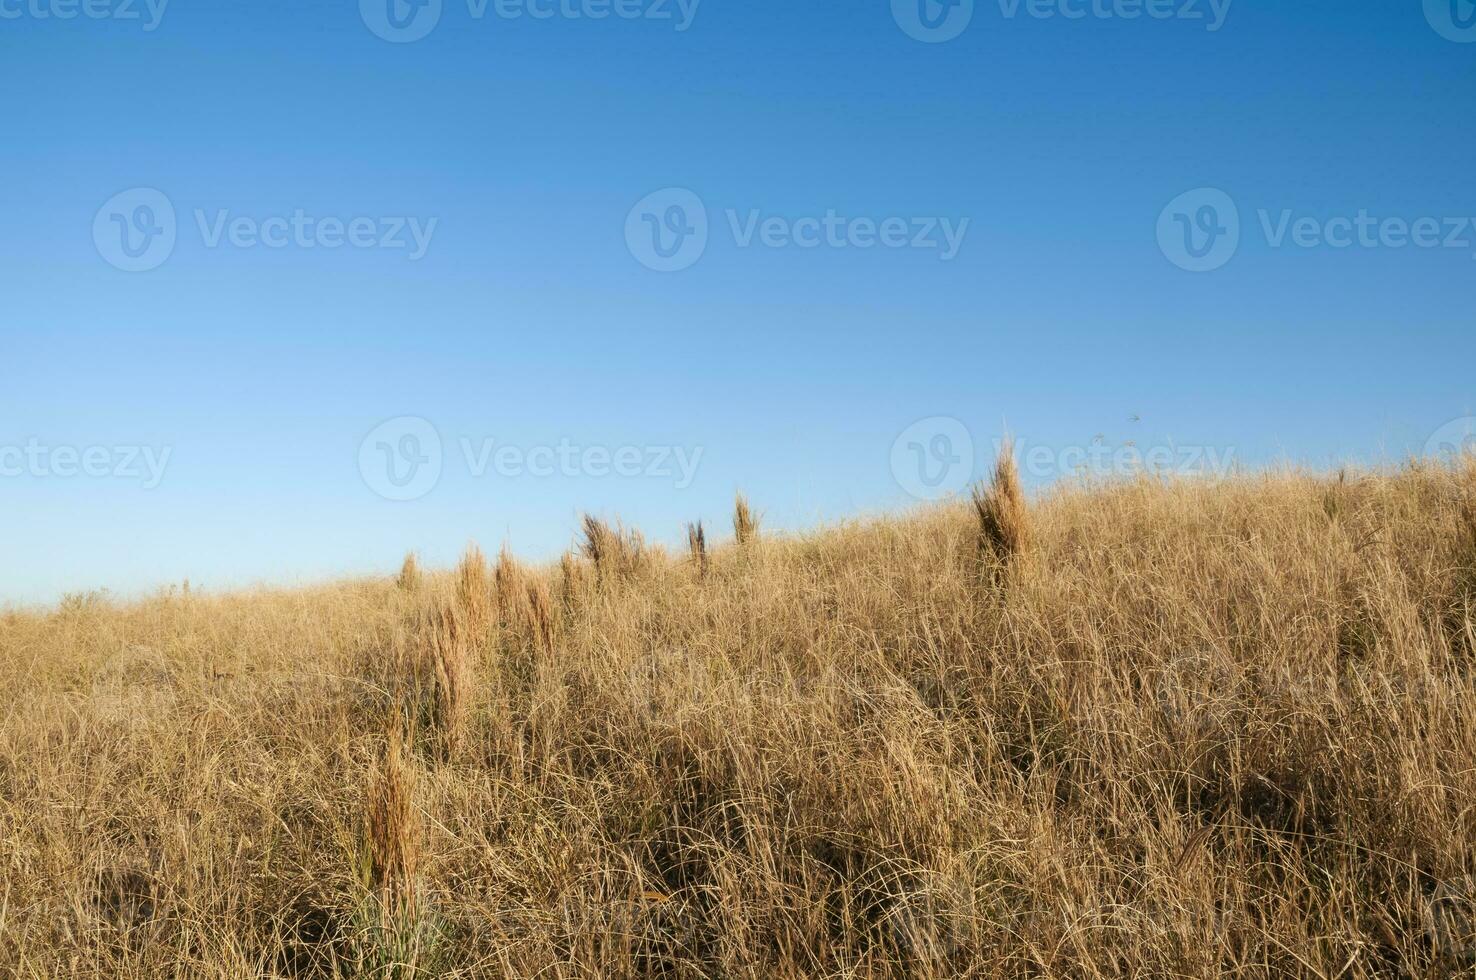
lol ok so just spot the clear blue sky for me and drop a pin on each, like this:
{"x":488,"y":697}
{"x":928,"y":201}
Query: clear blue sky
{"x":530,"y":319}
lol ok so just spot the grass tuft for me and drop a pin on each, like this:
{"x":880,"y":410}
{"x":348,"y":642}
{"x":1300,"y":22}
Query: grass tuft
{"x":1002,"y":513}
{"x":745,"y":521}
{"x":410,"y":578}
{"x":615,"y":552}
{"x":393,"y":831}
{"x":472,"y":589}
{"x":697,"y":547}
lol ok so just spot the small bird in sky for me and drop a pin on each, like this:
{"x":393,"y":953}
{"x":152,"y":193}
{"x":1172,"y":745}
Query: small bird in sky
{"x":1135,"y":417}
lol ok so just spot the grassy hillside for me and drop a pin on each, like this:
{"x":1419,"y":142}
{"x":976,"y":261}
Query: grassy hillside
{"x":1145,"y":729}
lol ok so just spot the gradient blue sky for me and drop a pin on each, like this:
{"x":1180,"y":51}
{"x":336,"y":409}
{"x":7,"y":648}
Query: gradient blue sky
{"x":529,"y":321}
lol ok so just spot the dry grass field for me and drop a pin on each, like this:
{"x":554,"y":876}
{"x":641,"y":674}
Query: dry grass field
{"x":1144,"y":729}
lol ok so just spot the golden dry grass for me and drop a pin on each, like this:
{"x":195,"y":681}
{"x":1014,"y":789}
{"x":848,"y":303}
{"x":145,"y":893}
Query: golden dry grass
{"x":1004,"y":517}
{"x":697,"y":547}
{"x":409,"y":578}
{"x":1207,"y":729}
{"x":745,"y":521}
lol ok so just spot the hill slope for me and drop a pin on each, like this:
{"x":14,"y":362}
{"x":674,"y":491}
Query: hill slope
{"x":1186,"y":729}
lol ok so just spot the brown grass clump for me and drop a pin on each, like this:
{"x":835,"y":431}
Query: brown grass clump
{"x":697,"y":547}
{"x":450,"y":663}
{"x":1468,"y":505}
{"x":615,"y":552}
{"x":1003,"y":515}
{"x":393,"y":828}
{"x":571,"y":580}
{"x":409,"y":578}
{"x":601,"y":544}
{"x":543,"y":623}
{"x":1206,"y":732}
{"x":472,"y":590}
{"x":511,"y":588}
{"x":745,"y":522}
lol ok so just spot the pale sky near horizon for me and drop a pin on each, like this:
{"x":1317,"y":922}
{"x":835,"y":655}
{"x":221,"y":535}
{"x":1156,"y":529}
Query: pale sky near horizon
{"x":289,"y":289}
